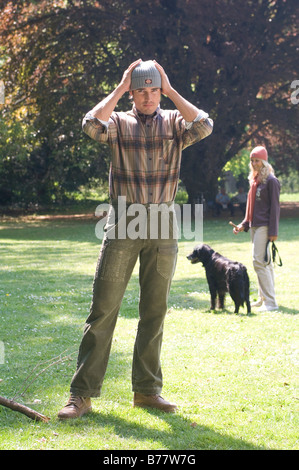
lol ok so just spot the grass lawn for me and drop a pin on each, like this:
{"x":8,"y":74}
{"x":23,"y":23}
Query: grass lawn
{"x":234,"y":377}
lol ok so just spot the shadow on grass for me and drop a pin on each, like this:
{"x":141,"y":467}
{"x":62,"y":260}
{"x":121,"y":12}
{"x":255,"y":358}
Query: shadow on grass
{"x":289,"y":311}
{"x":179,"y":431}
{"x":194,"y":294}
{"x":70,"y":230}
{"x":39,"y":321}
{"x":104,"y":424}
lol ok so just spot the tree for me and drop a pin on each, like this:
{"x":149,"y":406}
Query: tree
{"x":53,"y":72}
{"x":234,"y":59}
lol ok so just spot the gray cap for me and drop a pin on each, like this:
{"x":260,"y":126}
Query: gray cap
{"x":145,"y":75}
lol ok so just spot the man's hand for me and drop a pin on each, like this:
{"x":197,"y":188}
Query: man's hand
{"x":187,"y":110}
{"x":104,"y":109}
{"x":165,"y":83}
{"x":126,"y":79}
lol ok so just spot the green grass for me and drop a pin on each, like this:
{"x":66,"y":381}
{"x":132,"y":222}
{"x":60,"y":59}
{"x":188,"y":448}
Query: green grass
{"x":234,"y":377}
{"x":291,"y":197}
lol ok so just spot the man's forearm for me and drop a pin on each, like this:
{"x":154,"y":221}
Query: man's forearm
{"x":104,"y":109}
{"x":187,"y":109}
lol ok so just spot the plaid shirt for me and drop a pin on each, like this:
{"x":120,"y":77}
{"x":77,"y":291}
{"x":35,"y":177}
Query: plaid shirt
{"x":146,"y":151}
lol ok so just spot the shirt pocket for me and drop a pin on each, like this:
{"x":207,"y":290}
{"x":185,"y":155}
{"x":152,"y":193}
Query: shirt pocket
{"x":168,"y":145}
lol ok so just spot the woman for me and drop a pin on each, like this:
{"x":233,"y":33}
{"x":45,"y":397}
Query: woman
{"x":262,"y":217}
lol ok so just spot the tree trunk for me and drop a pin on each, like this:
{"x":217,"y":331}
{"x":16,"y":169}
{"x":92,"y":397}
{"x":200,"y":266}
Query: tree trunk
{"x":199,"y":174}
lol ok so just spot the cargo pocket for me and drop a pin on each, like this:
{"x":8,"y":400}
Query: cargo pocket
{"x":166,"y":260}
{"x":113,"y":263}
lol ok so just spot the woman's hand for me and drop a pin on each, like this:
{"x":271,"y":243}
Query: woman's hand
{"x":237,"y":228}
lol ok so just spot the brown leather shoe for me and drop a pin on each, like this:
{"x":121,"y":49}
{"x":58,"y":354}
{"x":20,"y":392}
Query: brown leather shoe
{"x":75,"y":407}
{"x":153,"y":401}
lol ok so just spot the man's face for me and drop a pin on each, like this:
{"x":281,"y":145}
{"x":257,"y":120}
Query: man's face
{"x":146,"y":99}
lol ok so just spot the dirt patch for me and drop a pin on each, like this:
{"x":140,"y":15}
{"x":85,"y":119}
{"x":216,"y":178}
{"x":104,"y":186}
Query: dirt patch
{"x":287,"y":209}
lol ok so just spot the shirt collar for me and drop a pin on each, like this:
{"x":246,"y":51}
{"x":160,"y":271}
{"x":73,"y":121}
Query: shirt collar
{"x":144,"y":116}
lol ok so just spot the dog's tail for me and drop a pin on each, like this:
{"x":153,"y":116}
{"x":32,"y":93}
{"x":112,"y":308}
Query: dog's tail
{"x":244,"y":283}
{"x":246,"y":288}
{"x":236,"y":286}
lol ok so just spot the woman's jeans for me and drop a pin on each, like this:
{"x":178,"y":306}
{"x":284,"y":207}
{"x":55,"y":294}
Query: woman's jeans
{"x":264,"y":271}
{"x":117,"y":259}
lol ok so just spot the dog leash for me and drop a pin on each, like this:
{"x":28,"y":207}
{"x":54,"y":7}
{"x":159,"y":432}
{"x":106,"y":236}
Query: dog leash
{"x":275,"y":253}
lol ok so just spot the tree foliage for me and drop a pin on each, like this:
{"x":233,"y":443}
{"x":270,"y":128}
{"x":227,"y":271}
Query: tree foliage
{"x":234,"y":59}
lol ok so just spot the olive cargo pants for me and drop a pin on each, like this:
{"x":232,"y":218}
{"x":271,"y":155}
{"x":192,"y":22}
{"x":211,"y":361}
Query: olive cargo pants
{"x":117,"y":259}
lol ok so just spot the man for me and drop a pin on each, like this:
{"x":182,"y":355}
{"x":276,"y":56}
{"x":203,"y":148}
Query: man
{"x":146,"y":145}
{"x":241,"y":199}
{"x":223,"y":202}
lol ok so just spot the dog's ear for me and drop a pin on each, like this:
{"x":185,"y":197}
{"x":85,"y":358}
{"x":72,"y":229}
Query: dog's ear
{"x":206,"y":253}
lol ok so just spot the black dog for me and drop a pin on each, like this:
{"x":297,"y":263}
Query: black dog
{"x":223,"y":276}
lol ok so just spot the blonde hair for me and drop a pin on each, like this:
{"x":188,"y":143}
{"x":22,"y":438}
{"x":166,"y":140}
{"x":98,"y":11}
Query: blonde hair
{"x":263,"y":174}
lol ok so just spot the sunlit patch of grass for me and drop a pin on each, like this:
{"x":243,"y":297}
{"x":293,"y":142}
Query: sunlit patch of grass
{"x":234,"y":377}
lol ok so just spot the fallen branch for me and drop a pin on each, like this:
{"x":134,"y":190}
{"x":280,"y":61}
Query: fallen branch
{"x":13,"y":405}
{"x":53,"y":361}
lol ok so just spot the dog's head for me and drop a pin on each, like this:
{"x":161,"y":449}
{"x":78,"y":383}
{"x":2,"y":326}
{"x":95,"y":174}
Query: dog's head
{"x":201,"y":254}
